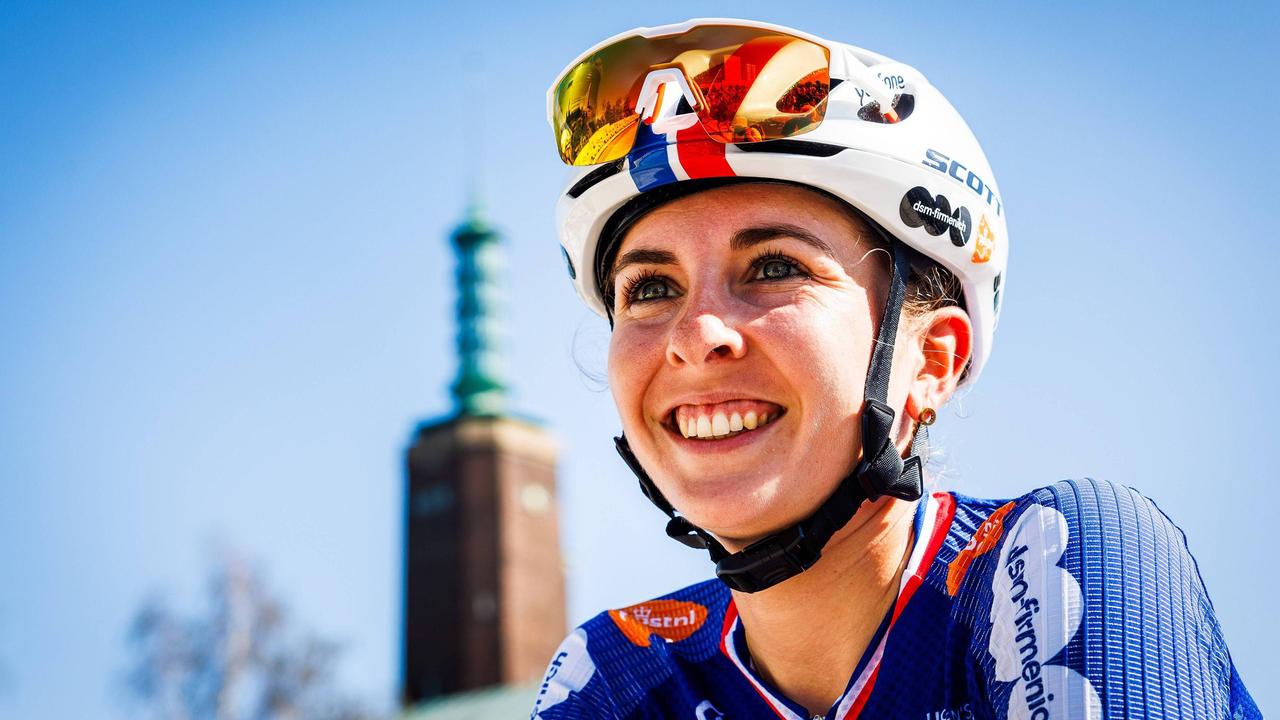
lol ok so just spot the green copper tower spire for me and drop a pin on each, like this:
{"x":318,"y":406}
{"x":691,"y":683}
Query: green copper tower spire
{"x":479,"y":389}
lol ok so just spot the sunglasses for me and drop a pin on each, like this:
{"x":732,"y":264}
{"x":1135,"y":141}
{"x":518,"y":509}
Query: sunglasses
{"x":744,"y":84}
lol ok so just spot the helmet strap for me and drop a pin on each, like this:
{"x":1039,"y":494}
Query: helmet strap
{"x":880,"y":471}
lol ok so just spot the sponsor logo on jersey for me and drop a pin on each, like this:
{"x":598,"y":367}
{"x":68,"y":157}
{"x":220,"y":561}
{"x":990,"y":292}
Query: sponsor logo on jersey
{"x":920,"y":208}
{"x":985,"y":243}
{"x":707,"y":711}
{"x":963,"y":175}
{"x":964,"y":712}
{"x":569,"y":671}
{"x":1035,"y":611}
{"x":671,"y":620}
{"x":986,"y":538}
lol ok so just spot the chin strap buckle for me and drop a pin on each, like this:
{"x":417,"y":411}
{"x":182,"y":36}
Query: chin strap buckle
{"x":769,"y":561}
{"x":881,"y":470}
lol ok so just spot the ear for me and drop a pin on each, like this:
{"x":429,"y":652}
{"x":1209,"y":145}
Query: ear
{"x":946,"y":342}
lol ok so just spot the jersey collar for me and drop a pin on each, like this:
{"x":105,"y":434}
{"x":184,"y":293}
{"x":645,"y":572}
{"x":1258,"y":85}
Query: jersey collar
{"x":932,"y":521}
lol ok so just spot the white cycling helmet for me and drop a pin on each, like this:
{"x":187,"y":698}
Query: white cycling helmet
{"x":917,"y":171}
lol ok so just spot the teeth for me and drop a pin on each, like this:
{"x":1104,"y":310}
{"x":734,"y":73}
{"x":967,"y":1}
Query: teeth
{"x":720,"y":424}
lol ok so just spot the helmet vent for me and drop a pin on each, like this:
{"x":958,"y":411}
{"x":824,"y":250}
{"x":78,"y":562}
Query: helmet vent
{"x":792,"y":147}
{"x":902,"y":105}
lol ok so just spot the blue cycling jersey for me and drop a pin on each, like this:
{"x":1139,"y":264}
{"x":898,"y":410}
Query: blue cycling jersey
{"x":1078,"y":600}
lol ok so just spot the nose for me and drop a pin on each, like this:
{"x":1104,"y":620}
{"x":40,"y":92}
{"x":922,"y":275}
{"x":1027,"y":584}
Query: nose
{"x":702,"y":335}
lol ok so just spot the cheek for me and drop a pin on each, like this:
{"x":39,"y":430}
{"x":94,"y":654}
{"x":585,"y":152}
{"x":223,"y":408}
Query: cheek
{"x":823,"y":352}
{"x":634,"y":358}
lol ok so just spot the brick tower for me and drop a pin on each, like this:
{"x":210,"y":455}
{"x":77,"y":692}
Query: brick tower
{"x":484,"y":590}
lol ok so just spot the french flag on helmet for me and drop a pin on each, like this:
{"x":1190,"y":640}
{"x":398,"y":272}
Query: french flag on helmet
{"x":679,"y":154}
{"x":670,"y":144}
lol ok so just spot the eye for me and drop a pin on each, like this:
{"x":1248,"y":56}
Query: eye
{"x":776,"y":269}
{"x":646,"y":287}
{"x":776,"y":266}
{"x":650,"y":290}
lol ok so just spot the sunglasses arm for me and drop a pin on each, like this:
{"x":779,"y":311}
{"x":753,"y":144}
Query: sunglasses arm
{"x":845,"y":64}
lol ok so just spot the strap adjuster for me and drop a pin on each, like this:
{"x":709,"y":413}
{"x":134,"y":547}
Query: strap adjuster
{"x":769,"y":561}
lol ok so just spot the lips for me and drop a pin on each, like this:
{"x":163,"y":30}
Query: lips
{"x":718,"y":420}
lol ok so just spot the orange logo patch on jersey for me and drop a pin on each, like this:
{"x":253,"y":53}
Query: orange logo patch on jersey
{"x":672,"y":620}
{"x":986,"y":537}
{"x":986,"y":242}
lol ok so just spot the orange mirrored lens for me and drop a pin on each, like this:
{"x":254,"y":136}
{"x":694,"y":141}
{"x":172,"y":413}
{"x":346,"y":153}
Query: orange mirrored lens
{"x":767,"y":88}
{"x":595,"y":105}
{"x":754,"y":84}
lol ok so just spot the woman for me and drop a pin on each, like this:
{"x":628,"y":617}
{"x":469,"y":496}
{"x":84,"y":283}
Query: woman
{"x":791,"y":302}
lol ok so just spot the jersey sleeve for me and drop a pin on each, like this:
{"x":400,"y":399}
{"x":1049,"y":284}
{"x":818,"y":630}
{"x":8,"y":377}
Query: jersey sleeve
{"x":572,"y":689}
{"x":1098,"y":610}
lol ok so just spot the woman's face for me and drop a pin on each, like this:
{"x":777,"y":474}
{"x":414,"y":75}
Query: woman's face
{"x":754,"y":302}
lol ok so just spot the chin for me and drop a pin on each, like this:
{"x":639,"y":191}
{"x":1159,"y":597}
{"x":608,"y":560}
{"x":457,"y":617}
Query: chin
{"x":732,"y":507}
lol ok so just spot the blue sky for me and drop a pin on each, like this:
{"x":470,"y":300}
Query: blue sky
{"x":226,"y":295}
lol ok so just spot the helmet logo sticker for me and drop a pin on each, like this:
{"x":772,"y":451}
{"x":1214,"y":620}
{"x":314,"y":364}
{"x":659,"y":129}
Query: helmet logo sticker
{"x":919,"y":208}
{"x":961,"y":174}
{"x":985,"y":243}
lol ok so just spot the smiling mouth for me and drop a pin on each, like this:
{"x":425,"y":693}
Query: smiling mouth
{"x":721,"y":420}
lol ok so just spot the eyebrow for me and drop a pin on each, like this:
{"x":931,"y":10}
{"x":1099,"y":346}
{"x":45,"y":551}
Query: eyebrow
{"x":640,"y":256}
{"x":752,"y":236}
{"x":743,"y":239}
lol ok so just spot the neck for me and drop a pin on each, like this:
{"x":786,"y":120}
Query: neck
{"x":807,"y":634}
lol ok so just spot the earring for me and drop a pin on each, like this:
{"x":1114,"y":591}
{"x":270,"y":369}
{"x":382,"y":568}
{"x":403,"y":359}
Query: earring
{"x":928,"y":416}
